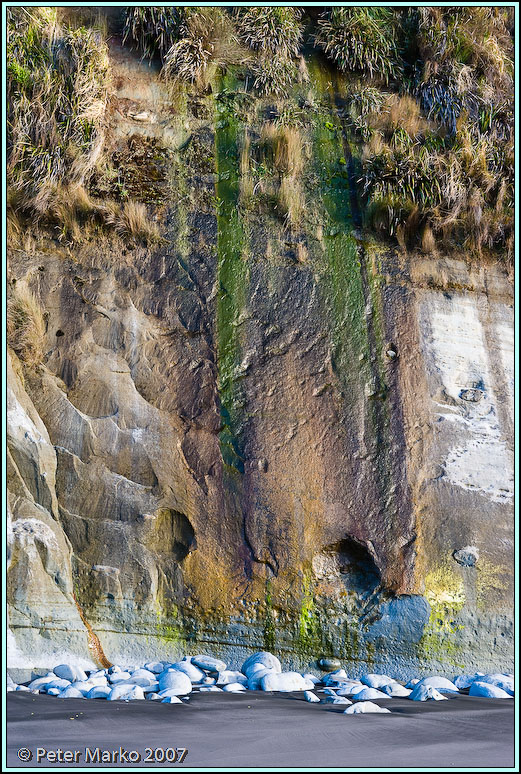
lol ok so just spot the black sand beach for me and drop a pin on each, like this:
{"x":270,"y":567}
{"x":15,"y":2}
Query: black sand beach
{"x":265,"y":730}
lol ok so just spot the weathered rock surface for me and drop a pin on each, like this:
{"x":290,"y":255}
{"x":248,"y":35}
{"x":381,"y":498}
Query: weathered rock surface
{"x":220,"y":449}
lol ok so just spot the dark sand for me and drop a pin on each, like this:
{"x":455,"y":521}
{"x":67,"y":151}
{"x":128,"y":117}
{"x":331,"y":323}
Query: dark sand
{"x":268,"y":730}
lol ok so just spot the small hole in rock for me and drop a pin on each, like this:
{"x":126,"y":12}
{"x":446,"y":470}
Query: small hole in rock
{"x":59,"y":332}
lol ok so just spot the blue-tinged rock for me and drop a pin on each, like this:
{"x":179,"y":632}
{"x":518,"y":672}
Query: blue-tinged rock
{"x":364,"y":706}
{"x":126,"y":692}
{"x":70,"y":672}
{"x":260,"y":660}
{"x":175,"y":680}
{"x":426,"y":693}
{"x":489,"y":691}
{"x":376,"y":681}
{"x":70,"y":693}
{"x":208,"y":663}
{"x":442,"y":684}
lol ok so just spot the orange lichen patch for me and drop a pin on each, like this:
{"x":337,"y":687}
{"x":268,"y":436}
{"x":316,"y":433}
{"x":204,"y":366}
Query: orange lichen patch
{"x":93,"y":642}
{"x":213,"y":582}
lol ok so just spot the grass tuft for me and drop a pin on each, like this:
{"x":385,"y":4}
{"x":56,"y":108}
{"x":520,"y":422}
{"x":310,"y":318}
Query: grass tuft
{"x":26,"y":327}
{"x":361,"y":39}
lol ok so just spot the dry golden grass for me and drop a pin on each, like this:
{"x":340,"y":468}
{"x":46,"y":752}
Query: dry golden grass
{"x":428,"y":242}
{"x":291,"y":200}
{"x":26,"y":326}
{"x":283,"y":147}
{"x":302,"y":252}
{"x":132,"y":220}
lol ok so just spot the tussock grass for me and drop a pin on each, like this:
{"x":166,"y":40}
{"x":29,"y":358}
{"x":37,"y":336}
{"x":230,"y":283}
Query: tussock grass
{"x":26,"y":326}
{"x":273,"y":31}
{"x":361,"y":39}
{"x":291,"y":200}
{"x":437,"y":166}
{"x":57,"y":81}
{"x":132,"y":221}
{"x":283,"y":147}
{"x":274,"y":74}
{"x":152,"y":29}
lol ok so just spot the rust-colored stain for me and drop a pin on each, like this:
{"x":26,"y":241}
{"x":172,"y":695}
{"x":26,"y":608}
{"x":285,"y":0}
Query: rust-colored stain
{"x":92,"y":640}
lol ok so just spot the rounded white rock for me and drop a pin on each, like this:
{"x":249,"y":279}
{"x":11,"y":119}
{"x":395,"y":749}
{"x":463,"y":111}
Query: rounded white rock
{"x":489,"y":691}
{"x":506,"y":682}
{"x":364,"y":706}
{"x":264,"y":659}
{"x":395,"y":690}
{"x":122,"y":692}
{"x":59,"y":683}
{"x":191,"y":670}
{"x":285,"y":682}
{"x":228,"y":676}
{"x":175,"y":681}
{"x":234,"y":687}
{"x":376,"y":681}
{"x":155,"y":666}
{"x":310,"y":696}
{"x":39,"y":682}
{"x":366,"y":694}
{"x":336,"y":700}
{"x":116,"y":677}
{"x":171,"y":700}
{"x":70,"y":672}
{"x":99,"y":692}
{"x":70,"y":693}
{"x":422,"y":692}
{"x":440,"y":683}
{"x":209,"y":663}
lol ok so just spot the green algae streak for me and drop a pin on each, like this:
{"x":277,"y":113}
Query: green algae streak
{"x":232,"y":271}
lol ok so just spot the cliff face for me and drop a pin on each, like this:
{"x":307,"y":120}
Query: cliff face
{"x":249,"y":436}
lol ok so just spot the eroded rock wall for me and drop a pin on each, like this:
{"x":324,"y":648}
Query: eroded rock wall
{"x":230,"y":444}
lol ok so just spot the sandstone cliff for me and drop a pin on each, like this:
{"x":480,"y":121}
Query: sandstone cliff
{"x":250,"y":435}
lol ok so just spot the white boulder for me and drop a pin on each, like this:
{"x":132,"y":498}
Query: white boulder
{"x":58,"y":683}
{"x":310,"y":696}
{"x":285,"y":681}
{"x":234,"y":687}
{"x":175,"y":681}
{"x":155,"y":666}
{"x":264,"y":659}
{"x":209,"y":663}
{"x":336,"y":700}
{"x":489,"y":691}
{"x":116,"y":677}
{"x":367,"y":694}
{"x":171,"y":700}
{"x":70,"y":693}
{"x":395,"y":690}
{"x":376,"y":681}
{"x":125,"y":692}
{"x":39,"y":682}
{"x":440,"y":683}
{"x":99,"y":692}
{"x":506,"y":682}
{"x":228,"y":676}
{"x":425,"y":693}
{"x":191,"y":670}
{"x":70,"y":672}
{"x":364,"y":706}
